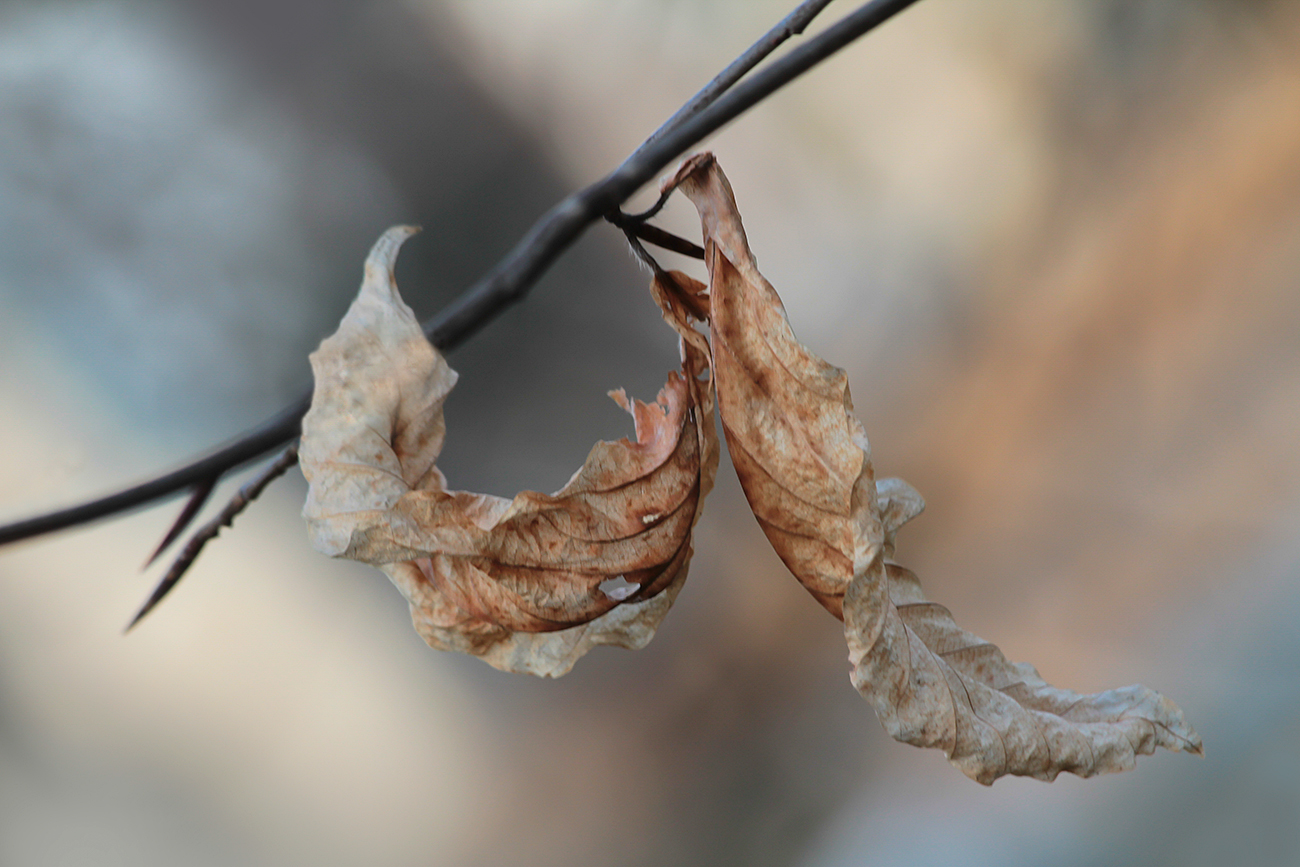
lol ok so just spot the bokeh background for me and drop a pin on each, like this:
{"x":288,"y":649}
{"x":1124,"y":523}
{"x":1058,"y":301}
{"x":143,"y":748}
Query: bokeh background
{"x":1056,"y":244}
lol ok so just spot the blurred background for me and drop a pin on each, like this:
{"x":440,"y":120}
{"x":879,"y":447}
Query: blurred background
{"x":1056,"y":245}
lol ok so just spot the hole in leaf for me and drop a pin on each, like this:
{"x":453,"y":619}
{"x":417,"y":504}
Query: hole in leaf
{"x":618,"y":588}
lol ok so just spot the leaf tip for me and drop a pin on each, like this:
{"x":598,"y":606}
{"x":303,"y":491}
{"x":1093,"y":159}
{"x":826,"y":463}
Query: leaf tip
{"x":1191,"y":742}
{"x":686,"y":168}
{"x":383,"y":255}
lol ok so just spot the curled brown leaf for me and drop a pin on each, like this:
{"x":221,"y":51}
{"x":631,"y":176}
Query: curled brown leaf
{"x":805,"y":465}
{"x":528,"y":584}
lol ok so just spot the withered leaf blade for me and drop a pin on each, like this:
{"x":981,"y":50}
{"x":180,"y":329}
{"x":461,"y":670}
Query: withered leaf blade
{"x":529,"y":584}
{"x":805,"y":465}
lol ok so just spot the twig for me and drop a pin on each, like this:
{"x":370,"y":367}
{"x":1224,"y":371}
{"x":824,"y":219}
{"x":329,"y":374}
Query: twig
{"x":559,"y":227}
{"x":209,"y":531}
{"x":198,"y":497}
{"x":516,"y":273}
{"x":791,"y":25}
{"x":272,"y":433}
{"x":655,"y":235}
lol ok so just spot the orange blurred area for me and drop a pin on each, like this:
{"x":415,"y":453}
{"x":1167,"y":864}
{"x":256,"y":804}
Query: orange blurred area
{"x":1055,"y":245}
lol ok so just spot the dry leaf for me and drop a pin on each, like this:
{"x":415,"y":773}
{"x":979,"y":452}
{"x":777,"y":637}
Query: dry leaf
{"x":528,"y":584}
{"x":805,"y":466}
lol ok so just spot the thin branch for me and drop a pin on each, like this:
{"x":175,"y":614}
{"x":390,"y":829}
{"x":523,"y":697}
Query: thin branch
{"x":559,"y":227}
{"x":209,"y":531}
{"x":198,"y":497}
{"x":791,"y":25}
{"x":657,"y":236}
{"x":271,"y":434}
{"x":515,"y":274}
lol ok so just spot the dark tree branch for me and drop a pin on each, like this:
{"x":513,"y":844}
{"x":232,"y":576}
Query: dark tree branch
{"x":792,"y":25}
{"x":247,"y":494}
{"x":652,"y":234}
{"x":198,"y":497}
{"x":271,"y":434}
{"x":716,"y":105}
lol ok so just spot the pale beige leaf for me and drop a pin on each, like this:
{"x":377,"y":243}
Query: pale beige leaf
{"x":528,"y":584}
{"x":357,"y":454}
{"x":805,"y":466}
